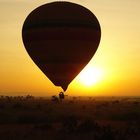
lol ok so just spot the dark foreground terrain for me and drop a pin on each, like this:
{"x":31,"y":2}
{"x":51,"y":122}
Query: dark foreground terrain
{"x":76,"y":118}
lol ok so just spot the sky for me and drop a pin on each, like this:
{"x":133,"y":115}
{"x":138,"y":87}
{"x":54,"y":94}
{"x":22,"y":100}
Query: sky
{"x":115,"y":66}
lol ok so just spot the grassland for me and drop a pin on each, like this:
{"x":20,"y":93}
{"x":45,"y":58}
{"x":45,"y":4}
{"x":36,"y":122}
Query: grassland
{"x":75,"y":118}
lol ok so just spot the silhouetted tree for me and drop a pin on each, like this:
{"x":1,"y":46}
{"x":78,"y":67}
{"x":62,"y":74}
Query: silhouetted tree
{"x":55,"y":99}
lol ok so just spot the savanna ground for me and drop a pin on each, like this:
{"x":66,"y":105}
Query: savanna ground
{"x":89,"y":118}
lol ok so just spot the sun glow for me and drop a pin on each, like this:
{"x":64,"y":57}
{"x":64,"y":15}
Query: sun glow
{"x":90,"y":76}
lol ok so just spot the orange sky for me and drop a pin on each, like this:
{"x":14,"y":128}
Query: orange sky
{"x":118,"y":55}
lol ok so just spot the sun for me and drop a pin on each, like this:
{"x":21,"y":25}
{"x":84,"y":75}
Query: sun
{"x":90,"y":76}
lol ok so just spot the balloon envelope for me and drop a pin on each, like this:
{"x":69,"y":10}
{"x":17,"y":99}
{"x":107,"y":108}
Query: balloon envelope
{"x":61,"y":38}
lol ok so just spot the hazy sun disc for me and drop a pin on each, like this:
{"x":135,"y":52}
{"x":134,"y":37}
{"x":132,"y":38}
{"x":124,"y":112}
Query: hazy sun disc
{"x":90,"y":76}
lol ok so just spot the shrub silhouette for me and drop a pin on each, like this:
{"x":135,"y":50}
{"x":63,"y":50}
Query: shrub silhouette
{"x":88,"y":126}
{"x":69,"y":123}
{"x":107,"y":134}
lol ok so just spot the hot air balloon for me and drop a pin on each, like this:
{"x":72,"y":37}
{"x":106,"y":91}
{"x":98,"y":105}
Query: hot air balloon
{"x":61,"y":38}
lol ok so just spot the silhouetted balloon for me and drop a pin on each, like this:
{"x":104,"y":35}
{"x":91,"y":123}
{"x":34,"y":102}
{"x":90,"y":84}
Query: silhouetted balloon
{"x":61,"y":38}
